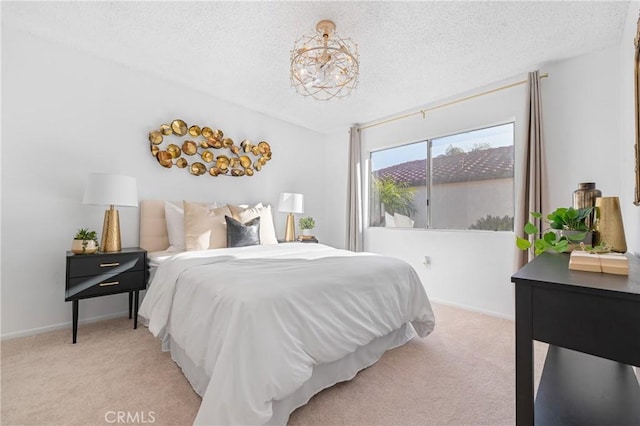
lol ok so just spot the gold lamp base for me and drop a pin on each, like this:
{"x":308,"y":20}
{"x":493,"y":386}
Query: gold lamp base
{"x":290,"y":229}
{"x":111,"y":231}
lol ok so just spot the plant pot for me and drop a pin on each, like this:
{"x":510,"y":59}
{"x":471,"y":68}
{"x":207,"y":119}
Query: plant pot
{"x":84,"y":247}
{"x":306,"y":232}
{"x":575,"y":243}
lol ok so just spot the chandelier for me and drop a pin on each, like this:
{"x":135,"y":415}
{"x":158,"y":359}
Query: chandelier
{"x":324,"y":65}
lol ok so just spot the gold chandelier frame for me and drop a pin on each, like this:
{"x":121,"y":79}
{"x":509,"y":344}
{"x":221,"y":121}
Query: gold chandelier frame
{"x":334,"y":59}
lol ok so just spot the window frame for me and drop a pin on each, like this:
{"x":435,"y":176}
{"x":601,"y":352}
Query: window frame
{"x":429,"y":177}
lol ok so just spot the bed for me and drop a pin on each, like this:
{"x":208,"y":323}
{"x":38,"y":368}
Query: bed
{"x":258,"y":330}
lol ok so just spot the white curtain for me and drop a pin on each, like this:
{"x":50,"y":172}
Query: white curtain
{"x":531,"y":199}
{"x":354,"y":193}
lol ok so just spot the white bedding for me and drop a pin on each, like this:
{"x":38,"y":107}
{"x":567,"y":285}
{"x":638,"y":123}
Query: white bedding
{"x":155,"y":258}
{"x":257,"y":319}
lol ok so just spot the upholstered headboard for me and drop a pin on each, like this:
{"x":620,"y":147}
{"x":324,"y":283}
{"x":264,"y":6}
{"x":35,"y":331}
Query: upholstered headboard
{"x":153,"y":226}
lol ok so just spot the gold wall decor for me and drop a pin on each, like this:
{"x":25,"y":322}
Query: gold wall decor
{"x":201,"y":145}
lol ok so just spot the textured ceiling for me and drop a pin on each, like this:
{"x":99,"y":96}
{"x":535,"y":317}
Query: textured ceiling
{"x":411,"y":53}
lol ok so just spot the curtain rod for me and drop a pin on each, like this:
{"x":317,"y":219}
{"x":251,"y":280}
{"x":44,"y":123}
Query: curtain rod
{"x":466,"y":98}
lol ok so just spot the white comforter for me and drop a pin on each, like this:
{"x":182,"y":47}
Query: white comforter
{"x":257,"y":319}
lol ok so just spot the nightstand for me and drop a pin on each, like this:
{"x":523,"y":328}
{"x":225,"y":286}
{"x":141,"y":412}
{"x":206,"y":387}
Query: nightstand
{"x":101,"y":274}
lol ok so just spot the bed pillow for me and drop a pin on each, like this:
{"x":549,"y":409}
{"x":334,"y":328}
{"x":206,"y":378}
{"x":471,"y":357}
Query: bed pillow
{"x":245,"y":214}
{"x":204,"y":228}
{"x":175,"y":225}
{"x":243,"y":234}
{"x":174,"y":216}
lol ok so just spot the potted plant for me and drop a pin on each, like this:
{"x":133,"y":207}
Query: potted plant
{"x":306,"y":224}
{"x":568,"y":228}
{"x":85,"y":242}
{"x":572,"y":224}
{"x":395,"y":197}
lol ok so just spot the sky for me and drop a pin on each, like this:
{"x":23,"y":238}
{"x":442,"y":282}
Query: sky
{"x":495,"y":136}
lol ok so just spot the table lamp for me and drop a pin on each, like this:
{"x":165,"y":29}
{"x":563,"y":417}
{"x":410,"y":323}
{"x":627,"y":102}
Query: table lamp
{"x":290,"y":203}
{"x":111,"y":190}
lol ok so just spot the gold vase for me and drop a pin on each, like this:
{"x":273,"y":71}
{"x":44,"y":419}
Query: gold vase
{"x":609,"y":227}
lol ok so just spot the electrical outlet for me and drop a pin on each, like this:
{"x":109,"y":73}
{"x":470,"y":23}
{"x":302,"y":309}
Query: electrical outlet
{"x":427,"y":262}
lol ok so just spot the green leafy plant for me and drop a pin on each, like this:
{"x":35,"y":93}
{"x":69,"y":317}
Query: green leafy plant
{"x":397,"y":197}
{"x":561,"y":219}
{"x":570,"y":219}
{"x":454,"y":150}
{"x":494,"y":223}
{"x":86,"y":235}
{"x":307,"y":222}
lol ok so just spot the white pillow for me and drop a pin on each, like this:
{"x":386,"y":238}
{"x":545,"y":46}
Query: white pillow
{"x":205,"y":228}
{"x":402,"y":221}
{"x":245,"y":214}
{"x":175,"y":223}
{"x":389,"y":221}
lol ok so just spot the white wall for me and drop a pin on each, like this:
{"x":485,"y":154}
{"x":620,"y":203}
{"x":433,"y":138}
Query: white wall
{"x":581,"y":119}
{"x":335,"y":188}
{"x":483,"y":197}
{"x":66,"y":114}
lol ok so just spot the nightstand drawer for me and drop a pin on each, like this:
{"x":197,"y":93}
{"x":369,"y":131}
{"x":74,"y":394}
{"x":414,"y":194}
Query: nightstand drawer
{"x":99,"y":285}
{"x":92,"y":264}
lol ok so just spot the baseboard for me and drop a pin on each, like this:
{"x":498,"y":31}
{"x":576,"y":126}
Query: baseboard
{"x":471,"y":308}
{"x":61,"y":326}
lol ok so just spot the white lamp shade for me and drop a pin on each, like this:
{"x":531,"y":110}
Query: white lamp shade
{"x":291,"y":202}
{"x":110,"y":189}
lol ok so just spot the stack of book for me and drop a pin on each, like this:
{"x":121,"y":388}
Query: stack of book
{"x":307,"y":239}
{"x":609,"y":263}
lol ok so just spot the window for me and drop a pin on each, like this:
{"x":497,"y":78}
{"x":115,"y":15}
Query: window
{"x":461,"y":181}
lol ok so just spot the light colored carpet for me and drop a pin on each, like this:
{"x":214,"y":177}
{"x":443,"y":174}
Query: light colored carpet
{"x":462,"y":374}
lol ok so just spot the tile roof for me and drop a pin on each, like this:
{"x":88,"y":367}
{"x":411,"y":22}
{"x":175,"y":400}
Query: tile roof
{"x":492,"y":163}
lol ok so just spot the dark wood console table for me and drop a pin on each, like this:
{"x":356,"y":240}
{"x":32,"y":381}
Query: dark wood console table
{"x":592,"y":322}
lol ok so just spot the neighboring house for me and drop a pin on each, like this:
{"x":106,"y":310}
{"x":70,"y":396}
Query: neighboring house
{"x":482,"y":178}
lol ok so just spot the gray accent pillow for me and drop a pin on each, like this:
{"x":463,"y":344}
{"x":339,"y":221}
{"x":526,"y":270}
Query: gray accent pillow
{"x":242,"y":234}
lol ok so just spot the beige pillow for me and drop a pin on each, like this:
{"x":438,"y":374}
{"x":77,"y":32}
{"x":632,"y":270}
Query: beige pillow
{"x":245,"y":214}
{"x":174,"y":214}
{"x":204,"y":228}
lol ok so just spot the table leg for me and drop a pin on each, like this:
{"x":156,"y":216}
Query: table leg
{"x":524,"y":356}
{"x":75,"y":320}
{"x":130,"y":303}
{"x":135,"y":310}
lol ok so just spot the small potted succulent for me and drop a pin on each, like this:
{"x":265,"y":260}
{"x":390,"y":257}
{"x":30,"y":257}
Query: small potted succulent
{"x":568,"y":230}
{"x":85,"y":242}
{"x":306,"y":224}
